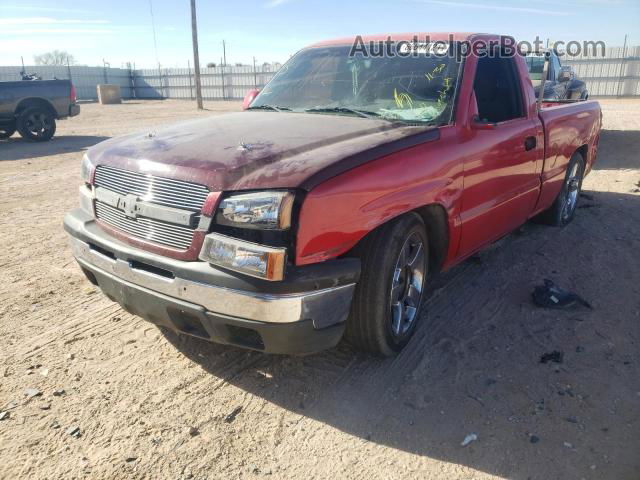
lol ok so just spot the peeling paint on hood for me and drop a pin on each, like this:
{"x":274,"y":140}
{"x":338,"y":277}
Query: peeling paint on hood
{"x":251,"y":150}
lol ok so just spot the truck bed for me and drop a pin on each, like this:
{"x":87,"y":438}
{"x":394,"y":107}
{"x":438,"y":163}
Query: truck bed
{"x":567,"y":126}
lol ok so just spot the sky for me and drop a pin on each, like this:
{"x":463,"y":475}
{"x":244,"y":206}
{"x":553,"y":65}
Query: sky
{"x":121,"y":31}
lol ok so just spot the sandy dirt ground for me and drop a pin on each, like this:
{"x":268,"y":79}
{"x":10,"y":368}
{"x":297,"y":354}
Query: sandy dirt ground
{"x":117,"y":398}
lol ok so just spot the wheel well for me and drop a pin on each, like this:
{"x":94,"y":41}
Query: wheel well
{"x":35,"y":102}
{"x":583,"y":150}
{"x":435,"y":219}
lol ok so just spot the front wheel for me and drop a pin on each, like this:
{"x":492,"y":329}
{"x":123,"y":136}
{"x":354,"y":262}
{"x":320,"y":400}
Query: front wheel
{"x":387,"y":300}
{"x":7,"y":130}
{"x":564,"y":207}
{"x":36,"y":124}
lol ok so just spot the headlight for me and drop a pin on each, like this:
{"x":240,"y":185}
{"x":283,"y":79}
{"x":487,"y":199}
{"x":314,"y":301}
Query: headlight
{"x":245,"y":257}
{"x":86,"y":169}
{"x":269,"y":210}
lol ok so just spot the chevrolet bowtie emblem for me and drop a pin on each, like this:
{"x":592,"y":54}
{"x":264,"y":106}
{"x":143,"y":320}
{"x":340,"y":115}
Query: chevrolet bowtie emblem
{"x":129,"y":204}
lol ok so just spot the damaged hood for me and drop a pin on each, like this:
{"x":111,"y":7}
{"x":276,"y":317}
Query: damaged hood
{"x":258,"y":150}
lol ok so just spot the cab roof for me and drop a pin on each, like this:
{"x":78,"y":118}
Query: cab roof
{"x":407,"y":37}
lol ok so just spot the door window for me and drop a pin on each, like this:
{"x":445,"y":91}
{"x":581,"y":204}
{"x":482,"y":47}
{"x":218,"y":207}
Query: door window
{"x":497,"y":89}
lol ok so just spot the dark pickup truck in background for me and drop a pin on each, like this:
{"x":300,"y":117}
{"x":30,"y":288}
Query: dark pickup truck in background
{"x":32,"y":107}
{"x":561,"y":83}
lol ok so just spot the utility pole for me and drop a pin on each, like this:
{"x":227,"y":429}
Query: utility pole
{"x":196,"y":56}
{"x":224,"y":52}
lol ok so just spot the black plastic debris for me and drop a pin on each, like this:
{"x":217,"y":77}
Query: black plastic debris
{"x":550,"y":295}
{"x":232,"y":416}
{"x":555,"y":357}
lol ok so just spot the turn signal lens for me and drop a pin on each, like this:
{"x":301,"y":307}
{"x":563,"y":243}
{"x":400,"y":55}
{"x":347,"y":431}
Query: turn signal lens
{"x":244,"y":257}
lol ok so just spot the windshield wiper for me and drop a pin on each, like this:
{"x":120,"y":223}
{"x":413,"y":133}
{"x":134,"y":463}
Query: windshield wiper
{"x":270,"y":107}
{"x":362,"y":113}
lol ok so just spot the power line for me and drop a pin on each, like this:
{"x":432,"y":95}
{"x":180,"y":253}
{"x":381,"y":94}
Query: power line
{"x":153,"y":27}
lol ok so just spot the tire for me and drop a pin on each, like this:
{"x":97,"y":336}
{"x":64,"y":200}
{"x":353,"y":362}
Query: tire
{"x":563,"y":210}
{"x":386,"y":303}
{"x":7,"y":130}
{"x":36,"y":124}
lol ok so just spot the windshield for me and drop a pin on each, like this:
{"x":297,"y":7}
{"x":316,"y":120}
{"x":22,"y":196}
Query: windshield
{"x":535,"y":65}
{"x":413,"y":89}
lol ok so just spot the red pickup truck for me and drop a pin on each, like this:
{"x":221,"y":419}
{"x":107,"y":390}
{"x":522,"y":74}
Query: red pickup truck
{"x":322,"y":210}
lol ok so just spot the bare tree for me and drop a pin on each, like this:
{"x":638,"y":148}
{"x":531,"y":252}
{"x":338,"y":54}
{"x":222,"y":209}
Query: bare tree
{"x":54,"y":57}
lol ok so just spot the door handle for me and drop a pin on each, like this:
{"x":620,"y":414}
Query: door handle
{"x":530,"y":143}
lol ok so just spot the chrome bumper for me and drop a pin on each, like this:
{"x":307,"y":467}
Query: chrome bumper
{"x":325,"y":307}
{"x":331,"y":304}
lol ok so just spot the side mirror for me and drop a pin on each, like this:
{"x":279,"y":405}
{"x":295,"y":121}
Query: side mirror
{"x":478,"y":124}
{"x":565,"y":74}
{"x":249,"y":97}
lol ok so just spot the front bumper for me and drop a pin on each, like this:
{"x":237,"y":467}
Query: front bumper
{"x":304,"y":314}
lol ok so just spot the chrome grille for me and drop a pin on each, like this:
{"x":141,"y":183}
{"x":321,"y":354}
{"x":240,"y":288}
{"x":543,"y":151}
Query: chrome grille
{"x":153,"y":230}
{"x":163,"y":191}
{"x":155,"y":190}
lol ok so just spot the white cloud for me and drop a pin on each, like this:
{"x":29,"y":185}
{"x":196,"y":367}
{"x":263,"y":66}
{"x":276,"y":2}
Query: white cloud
{"x":48,"y":21}
{"x":40,"y":8}
{"x":59,"y":31}
{"x":276,"y":3}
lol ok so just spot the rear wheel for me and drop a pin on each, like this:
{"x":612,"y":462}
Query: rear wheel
{"x":564,"y":207}
{"x":386,"y":304}
{"x":36,"y":124}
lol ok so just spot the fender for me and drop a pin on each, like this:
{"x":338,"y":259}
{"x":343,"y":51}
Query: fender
{"x":339,"y":212}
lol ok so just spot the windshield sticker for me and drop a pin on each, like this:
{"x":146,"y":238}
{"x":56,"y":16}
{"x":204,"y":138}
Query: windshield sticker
{"x":431,"y":48}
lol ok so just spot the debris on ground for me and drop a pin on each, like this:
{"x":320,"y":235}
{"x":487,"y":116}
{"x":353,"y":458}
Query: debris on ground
{"x":232,"y":416}
{"x":4,"y":415}
{"x":568,"y":445}
{"x":32,"y":392}
{"x":130,"y":458}
{"x":73,"y":431}
{"x":44,"y":406}
{"x":58,"y":393}
{"x":472,"y":437}
{"x":534,"y":438}
{"x":193,"y":431}
{"x":550,"y":295}
{"x":556,"y":357}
